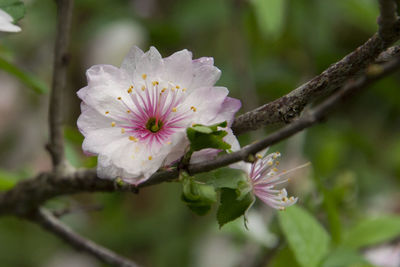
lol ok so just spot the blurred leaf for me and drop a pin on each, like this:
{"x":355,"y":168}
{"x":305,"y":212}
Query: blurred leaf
{"x":231,"y":207}
{"x":201,"y":137}
{"x":15,"y":8}
{"x":373,"y":231}
{"x":270,"y":16}
{"x":72,"y":155}
{"x":73,"y":135}
{"x":342,"y":257}
{"x":28,"y":79}
{"x":7,"y":180}
{"x":197,"y":196}
{"x":306,"y":237}
{"x":284,"y":258}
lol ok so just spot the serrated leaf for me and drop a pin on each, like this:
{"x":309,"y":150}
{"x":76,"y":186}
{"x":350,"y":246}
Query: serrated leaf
{"x":373,"y":231}
{"x":306,"y":237}
{"x":15,"y":8}
{"x":26,"y":78}
{"x":203,"y":136}
{"x":230,"y":207}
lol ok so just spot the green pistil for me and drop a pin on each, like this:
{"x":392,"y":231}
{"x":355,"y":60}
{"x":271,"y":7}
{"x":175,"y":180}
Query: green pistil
{"x":152,"y":126}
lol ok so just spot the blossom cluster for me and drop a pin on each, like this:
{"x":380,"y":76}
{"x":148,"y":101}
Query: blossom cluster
{"x":134,"y":118}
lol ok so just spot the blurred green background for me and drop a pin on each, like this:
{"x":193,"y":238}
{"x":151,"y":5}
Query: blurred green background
{"x":265,"y":48}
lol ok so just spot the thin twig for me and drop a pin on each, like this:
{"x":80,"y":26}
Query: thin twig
{"x":288,"y":107}
{"x":61,"y":58}
{"x":29,"y":194}
{"x":51,"y":224}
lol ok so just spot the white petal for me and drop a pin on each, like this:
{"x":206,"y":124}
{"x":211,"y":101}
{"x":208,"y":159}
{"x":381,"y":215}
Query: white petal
{"x":205,"y":75}
{"x":150,"y":63}
{"x":6,"y":23}
{"x":178,"y":68}
{"x":95,"y":142}
{"x":91,"y":120}
{"x":207,"y":102}
{"x":228,"y":110}
{"x":130,"y":62}
{"x":106,"y":84}
{"x":129,"y":160}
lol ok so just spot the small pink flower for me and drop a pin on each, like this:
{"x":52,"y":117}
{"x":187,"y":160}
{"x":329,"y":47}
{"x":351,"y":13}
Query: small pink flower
{"x":265,"y":180}
{"x":6,"y":23}
{"x":135,"y":117}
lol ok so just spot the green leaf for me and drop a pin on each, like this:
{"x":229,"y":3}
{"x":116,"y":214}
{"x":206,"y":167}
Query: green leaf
{"x":231,"y":207}
{"x":270,"y":16}
{"x":197,"y":196}
{"x":201,"y":137}
{"x":28,"y":79}
{"x":223,"y":177}
{"x":343,"y":257}
{"x":306,"y":237}
{"x":373,"y":231}
{"x":15,"y":8}
{"x":284,"y":258}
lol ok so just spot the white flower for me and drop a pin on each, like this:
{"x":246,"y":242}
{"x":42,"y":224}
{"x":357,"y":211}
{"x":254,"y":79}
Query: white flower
{"x":6,"y":23}
{"x":135,"y":117}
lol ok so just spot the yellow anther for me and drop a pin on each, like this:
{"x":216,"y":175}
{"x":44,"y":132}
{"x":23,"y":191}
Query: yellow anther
{"x":155,"y":83}
{"x":113,"y":124}
{"x":275,"y":169}
{"x":173,"y":109}
{"x":177,"y":87}
{"x":277,"y":163}
{"x":144,"y":76}
{"x":119,"y":98}
{"x":169,"y":142}
{"x":184,"y":90}
{"x":128,"y":111}
{"x":270,"y":163}
{"x":132,"y":138}
{"x":122,"y":130}
{"x":130,"y":90}
{"x":193,"y":108}
{"x":284,"y":199}
{"x":150,"y":157}
{"x":107,"y":112}
{"x":163,"y":90}
{"x":173,"y":89}
{"x":143,"y":87}
{"x":259,"y":156}
{"x":291,"y":198}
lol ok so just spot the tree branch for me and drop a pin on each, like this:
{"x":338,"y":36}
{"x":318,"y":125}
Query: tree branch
{"x":29,"y":194}
{"x":286,"y":108}
{"x":387,"y":18}
{"x":56,"y":143}
{"x":51,"y":224}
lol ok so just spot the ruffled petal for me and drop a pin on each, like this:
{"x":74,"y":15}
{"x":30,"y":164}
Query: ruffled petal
{"x":178,"y":68}
{"x":106,"y":85}
{"x":130,"y":62}
{"x":204,"y":75}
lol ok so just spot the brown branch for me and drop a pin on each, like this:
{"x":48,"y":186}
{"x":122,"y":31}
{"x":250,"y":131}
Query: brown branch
{"x":288,"y":107}
{"x":51,"y":224}
{"x":387,"y":18}
{"x":29,"y":194}
{"x":56,"y":143}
